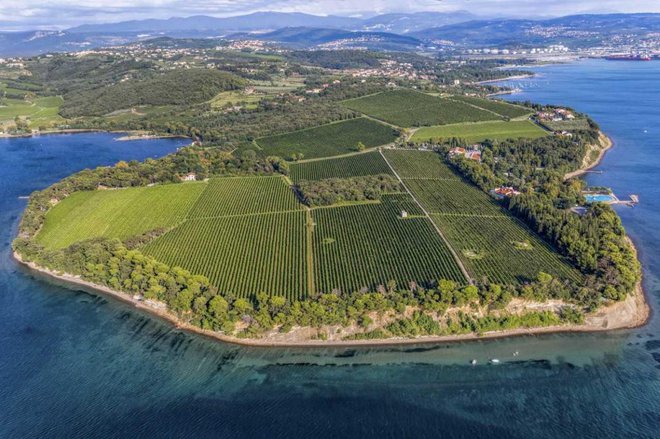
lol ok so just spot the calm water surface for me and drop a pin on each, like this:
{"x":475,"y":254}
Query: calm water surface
{"x":78,"y":365}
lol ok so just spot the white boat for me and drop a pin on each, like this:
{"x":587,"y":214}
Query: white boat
{"x":494,"y":361}
{"x":473,"y":362}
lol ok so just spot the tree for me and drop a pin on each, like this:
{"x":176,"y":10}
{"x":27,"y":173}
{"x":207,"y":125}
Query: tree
{"x":360,"y":146}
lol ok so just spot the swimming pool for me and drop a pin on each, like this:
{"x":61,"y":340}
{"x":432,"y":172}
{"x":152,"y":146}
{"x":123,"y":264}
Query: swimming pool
{"x":599,"y":198}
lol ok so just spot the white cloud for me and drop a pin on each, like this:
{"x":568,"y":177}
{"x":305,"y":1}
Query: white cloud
{"x":65,"y":13}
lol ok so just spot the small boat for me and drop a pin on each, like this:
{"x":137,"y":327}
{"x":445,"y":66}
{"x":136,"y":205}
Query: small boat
{"x":473,"y":362}
{"x":494,"y":361}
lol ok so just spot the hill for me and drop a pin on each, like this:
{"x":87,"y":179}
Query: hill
{"x":173,"y":88}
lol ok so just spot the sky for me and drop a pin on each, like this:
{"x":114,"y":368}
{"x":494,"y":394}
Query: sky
{"x":59,"y":14}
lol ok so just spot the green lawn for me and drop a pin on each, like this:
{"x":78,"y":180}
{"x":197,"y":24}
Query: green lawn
{"x":120,"y":213}
{"x":478,"y":132}
{"x":329,"y":140}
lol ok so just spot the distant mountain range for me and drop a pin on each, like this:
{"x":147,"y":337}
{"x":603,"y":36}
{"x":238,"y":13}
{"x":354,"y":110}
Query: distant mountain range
{"x":382,"y":32}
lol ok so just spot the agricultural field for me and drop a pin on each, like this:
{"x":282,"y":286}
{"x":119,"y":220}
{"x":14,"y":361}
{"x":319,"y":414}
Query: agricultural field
{"x":488,"y":239}
{"x":356,"y":165}
{"x":232,"y":196}
{"x":40,"y":112}
{"x":409,"y":108}
{"x":367,"y":245}
{"x":479,"y":132}
{"x":502,"y":249}
{"x":418,"y":164}
{"x":567,"y":125}
{"x":117,"y":213}
{"x":236,"y":98}
{"x":454,"y":197}
{"x":328,"y":140}
{"x":243,"y":255}
{"x":502,"y":108}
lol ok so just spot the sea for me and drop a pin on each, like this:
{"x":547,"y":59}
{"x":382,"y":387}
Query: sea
{"x":79,"y":365}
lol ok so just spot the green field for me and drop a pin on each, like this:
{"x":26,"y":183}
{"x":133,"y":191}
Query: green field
{"x":488,"y":239}
{"x":244,"y":195}
{"x":244,"y":255}
{"x":502,"y":108}
{"x":568,"y":125}
{"x":41,"y":112}
{"x":478,"y":132}
{"x":502,"y":249}
{"x":120,"y":213}
{"x":452,"y":197}
{"x":367,"y":245}
{"x":418,"y":164}
{"x":409,"y":108}
{"x":357,"y":165}
{"x":328,"y":140}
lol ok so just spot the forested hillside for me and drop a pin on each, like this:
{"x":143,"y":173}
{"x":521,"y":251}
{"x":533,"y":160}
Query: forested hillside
{"x":177,"y":87}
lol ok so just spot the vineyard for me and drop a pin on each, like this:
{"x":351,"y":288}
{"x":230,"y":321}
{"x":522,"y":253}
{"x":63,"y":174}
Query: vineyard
{"x":243,"y":255}
{"x":452,"y":197}
{"x":478,"y":132}
{"x":364,"y":246}
{"x":502,"y":108}
{"x":489,"y":241}
{"x":357,"y":165}
{"x":418,"y":164}
{"x":502,"y":249}
{"x":117,"y":213}
{"x":409,"y":108}
{"x":244,"y":195}
{"x":328,"y":140}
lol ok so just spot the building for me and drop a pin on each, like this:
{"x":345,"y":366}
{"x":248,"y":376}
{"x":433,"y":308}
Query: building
{"x":404,"y":214}
{"x":504,"y":192}
{"x":189,"y":177}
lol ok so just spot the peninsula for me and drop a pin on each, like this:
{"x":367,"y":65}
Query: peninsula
{"x":340,"y":208}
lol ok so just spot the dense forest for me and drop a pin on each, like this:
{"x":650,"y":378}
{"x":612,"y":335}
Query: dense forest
{"x":337,"y":190}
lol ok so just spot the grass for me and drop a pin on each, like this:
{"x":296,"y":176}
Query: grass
{"x":489,"y":241}
{"x":504,"y":109}
{"x":243,"y":255}
{"x":479,"y":132}
{"x":247,"y":101}
{"x":244,"y":195}
{"x":328,"y":140}
{"x":40,"y":112}
{"x":357,"y":165}
{"x":409,"y":108}
{"x":364,"y":246}
{"x":118,"y":213}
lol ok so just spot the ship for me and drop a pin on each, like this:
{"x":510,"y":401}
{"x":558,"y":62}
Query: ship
{"x":629,"y":57}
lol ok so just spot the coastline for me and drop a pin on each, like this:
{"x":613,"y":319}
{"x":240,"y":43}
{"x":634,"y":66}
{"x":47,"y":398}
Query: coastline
{"x":605,"y":143}
{"x":508,"y":78}
{"x":631,"y":313}
{"x":129,"y":135}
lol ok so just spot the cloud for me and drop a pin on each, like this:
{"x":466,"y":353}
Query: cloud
{"x":66,"y":13}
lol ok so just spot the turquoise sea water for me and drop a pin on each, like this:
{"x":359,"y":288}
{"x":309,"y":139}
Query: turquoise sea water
{"x":78,"y":365}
